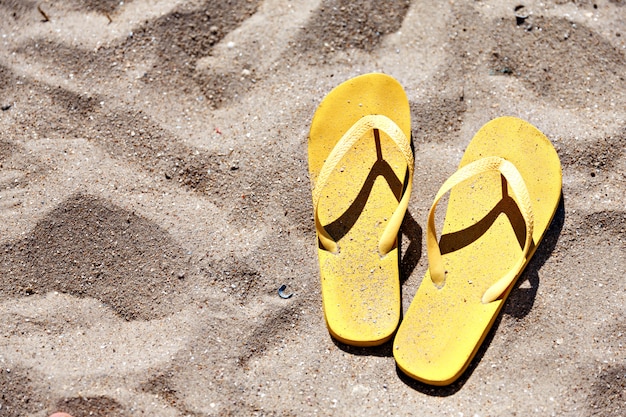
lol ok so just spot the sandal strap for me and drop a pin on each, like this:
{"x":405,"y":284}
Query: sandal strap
{"x":518,"y":186}
{"x":356,"y":132}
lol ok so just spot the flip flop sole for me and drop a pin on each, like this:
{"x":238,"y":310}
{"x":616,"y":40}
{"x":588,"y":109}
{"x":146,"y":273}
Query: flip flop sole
{"x":482,"y":238}
{"x":360,"y":289}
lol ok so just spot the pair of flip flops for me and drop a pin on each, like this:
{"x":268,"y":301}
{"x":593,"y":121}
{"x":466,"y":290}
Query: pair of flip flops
{"x":501,"y":201}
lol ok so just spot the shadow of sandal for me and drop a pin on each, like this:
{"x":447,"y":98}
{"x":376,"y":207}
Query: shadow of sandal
{"x":381,"y":168}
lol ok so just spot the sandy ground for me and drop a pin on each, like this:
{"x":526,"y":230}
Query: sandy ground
{"x":154,"y":195}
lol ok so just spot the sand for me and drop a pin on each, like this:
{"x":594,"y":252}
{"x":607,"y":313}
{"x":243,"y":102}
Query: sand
{"x":154,"y":195}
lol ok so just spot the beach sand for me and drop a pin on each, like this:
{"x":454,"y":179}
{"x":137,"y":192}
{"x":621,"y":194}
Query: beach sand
{"x":154,"y":195}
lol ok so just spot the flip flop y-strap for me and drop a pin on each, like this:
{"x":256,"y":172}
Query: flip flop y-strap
{"x":518,"y":186}
{"x":356,"y":132}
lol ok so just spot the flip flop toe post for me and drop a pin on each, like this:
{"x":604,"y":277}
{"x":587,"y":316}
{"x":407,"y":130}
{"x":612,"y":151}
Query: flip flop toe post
{"x":501,"y":201}
{"x":361,"y":167}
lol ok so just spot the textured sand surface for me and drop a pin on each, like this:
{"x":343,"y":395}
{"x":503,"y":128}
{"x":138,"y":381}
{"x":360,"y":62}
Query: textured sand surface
{"x":154,"y":195}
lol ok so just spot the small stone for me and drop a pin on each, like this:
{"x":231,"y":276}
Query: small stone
{"x":360,"y":390}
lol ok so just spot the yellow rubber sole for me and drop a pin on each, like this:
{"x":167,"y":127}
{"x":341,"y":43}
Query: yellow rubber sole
{"x":482,"y":237}
{"x":360,"y":289}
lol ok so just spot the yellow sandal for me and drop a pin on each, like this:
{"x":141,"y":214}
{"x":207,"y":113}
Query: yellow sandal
{"x":361,"y":170}
{"x":502,"y":200}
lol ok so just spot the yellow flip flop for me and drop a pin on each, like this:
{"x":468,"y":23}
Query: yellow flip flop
{"x":502,"y":200}
{"x":361,"y":170}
